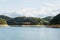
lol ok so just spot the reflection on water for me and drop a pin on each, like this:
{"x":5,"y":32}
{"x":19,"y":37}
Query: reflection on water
{"x":28,"y":33}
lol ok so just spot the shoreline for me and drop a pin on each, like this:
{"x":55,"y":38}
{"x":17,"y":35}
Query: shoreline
{"x":41,"y":26}
{"x":28,"y":26}
{"x":4,"y":25}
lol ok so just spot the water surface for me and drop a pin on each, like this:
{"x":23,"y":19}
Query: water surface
{"x":29,"y":33}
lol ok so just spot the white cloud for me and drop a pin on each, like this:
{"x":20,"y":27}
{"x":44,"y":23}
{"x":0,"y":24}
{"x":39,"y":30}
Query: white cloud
{"x":47,"y":9}
{"x":30,"y":12}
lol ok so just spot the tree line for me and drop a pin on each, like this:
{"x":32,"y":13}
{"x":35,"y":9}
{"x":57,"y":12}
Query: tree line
{"x":26,"y":20}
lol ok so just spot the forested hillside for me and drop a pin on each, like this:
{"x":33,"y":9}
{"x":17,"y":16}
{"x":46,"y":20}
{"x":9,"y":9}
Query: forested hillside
{"x":55,"y":20}
{"x":3,"y":21}
{"x":24,"y":20}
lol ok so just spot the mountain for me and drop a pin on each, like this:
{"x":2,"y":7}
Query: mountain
{"x":48,"y":18}
{"x":55,"y":20}
{"x":5,"y":17}
{"x":27,"y":21}
{"x":24,"y":20}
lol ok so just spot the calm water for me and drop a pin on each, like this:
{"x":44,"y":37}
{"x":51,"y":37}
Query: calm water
{"x":29,"y":33}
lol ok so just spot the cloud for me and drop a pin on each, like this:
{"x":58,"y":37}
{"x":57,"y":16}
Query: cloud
{"x":46,"y":9}
{"x":32,"y":12}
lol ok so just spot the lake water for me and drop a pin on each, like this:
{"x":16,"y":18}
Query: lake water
{"x":29,"y":33}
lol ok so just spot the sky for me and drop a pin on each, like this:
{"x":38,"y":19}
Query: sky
{"x":29,"y":8}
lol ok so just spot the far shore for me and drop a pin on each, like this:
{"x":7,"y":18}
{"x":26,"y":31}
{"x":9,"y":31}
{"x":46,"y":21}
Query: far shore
{"x":28,"y":25}
{"x":41,"y":26}
{"x":55,"y":26}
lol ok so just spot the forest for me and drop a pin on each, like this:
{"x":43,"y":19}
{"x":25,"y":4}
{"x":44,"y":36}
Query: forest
{"x":25,"y":20}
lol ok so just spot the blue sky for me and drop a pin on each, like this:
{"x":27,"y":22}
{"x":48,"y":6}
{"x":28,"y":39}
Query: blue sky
{"x":29,"y":8}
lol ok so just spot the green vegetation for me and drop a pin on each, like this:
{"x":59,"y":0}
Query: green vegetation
{"x":48,"y":18}
{"x":50,"y":21}
{"x":24,"y":20}
{"x":55,"y":20}
{"x":5,"y":17}
{"x":3,"y":21}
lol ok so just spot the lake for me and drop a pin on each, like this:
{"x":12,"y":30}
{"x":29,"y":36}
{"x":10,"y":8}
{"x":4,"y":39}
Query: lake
{"x":29,"y":33}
